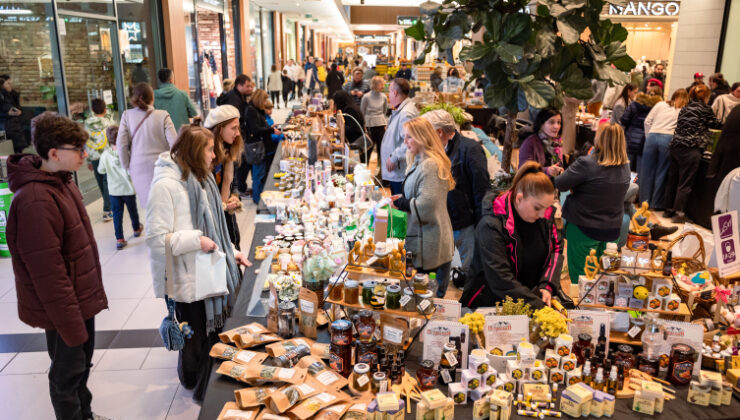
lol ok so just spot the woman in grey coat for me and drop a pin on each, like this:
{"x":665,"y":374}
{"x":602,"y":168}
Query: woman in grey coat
{"x":428,"y":179}
{"x":145,"y":132}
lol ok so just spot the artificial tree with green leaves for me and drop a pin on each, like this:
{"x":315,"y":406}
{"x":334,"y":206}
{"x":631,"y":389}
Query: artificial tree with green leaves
{"x":532,"y":56}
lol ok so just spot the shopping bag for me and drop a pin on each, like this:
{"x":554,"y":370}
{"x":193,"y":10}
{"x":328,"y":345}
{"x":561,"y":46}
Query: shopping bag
{"x":397,"y":223}
{"x":210,"y":274}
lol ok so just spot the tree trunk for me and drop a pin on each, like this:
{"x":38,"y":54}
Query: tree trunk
{"x":509,"y":137}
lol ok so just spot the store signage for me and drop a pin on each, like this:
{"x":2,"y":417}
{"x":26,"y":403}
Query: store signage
{"x":726,"y":242}
{"x":646,"y":8}
{"x":406,"y":20}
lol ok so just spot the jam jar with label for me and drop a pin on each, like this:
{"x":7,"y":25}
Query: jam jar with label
{"x":426,"y":375}
{"x":681,"y":364}
{"x":365,"y":325}
{"x":367,"y":353}
{"x":580,"y":346}
{"x":340,"y":350}
{"x":624,"y":357}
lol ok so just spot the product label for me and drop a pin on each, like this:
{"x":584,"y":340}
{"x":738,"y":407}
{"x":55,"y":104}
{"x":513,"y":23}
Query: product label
{"x":446,"y":377}
{"x":306,"y":306}
{"x":634,"y":331}
{"x":365,"y":332}
{"x":682,"y":372}
{"x":325,"y":397}
{"x":238,"y":414}
{"x":245,"y":356}
{"x":393,"y":335}
{"x":383,"y":387}
{"x":362,"y":380}
{"x":404,"y":300}
{"x":286,"y":373}
{"x":305,"y":389}
{"x":326,"y":378}
{"x":450,"y":356}
{"x":424,"y":305}
{"x":336,"y":362}
{"x":253,"y":329}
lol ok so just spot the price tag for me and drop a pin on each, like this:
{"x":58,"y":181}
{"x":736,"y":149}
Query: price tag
{"x":326,"y":378}
{"x":405,"y":299}
{"x":362,"y":380}
{"x":634,"y":331}
{"x":424,"y":305}
{"x":238,"y":414}
{"x":286,"y":373}
{"x":306,"y":306}
{"x":383,"y":386}
{"x":446,"y":376}
{"x":450,"y":356}
{"x":305,"y":389}
{"x":246,"y":356}
{"x":326,"y":397}
{"x":393,"y":335}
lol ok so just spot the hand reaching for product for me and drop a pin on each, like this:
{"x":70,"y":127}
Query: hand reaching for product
{"x":242,"y":260}
{"x":546,"y":297}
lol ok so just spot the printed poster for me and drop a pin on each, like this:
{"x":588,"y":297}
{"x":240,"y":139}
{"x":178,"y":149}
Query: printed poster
{"x":503,"y":332}
{"x":727,"y":244}
{"x":589,"y":322}
{"x":438,"y":333}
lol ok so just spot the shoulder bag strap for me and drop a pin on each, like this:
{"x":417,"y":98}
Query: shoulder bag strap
{"x":421,"y":235}
{"x":136,"y":130}
{"x":170,"y":263}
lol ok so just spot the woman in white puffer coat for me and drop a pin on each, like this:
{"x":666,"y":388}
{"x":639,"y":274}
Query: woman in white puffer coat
{"x":185,"y":205}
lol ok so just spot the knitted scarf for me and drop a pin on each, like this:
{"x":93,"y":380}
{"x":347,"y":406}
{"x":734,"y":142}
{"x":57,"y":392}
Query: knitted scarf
{"x":209,"y":218}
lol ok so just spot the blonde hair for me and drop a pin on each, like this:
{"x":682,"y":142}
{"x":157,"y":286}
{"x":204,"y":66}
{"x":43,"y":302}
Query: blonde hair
{"x":422,"y":133}
{"x":611,"y":145}
{"x":259,"y":99}
{"x":377,"y":83}
{"x":679,"y":99}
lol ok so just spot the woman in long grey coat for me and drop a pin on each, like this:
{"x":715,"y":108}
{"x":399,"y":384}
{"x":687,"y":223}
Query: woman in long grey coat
{"x":428,"y":179}
{"x":144,"y":133}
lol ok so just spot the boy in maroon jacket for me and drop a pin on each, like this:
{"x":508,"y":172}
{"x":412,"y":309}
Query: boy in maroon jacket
{"x":55,"y":259}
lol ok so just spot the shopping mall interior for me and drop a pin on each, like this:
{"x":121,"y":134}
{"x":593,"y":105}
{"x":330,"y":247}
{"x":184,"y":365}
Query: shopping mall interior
{"x":328,"y":95}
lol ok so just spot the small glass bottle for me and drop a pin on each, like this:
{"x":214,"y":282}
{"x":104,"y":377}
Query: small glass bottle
{"x":420,"y":283}
{"x":336,"y":289}
{"x":668,"y":266}
{"x":408,"y":300}
{"x":609,"y":298}
{"x":587,"y":378}
{"x":361,"y":380}
{"x":409,"y":264}
{"x":292,"y":356}
{"x":599,"y":380}
{"x":611,"y":383}
{"x":580,"y":346}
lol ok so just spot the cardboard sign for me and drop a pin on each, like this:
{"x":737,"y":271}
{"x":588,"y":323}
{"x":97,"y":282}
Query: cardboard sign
{"x":725,"y":230}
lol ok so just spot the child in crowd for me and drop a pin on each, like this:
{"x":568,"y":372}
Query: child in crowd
{"x":96,"y":144}
{"x":268,"y":116}
{"x":120,"y":188}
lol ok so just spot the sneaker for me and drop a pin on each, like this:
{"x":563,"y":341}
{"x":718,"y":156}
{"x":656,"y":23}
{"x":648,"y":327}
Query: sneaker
{"x":659,"y":231}
{"x":120,"y":244}
{"x":108,"y":217}
{"x":669,"y":213}
{"x":138,"y":231}
{"x":99,"y":417}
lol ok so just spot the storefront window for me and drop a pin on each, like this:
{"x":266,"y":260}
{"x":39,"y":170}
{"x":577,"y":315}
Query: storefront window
{"x":730,"y":67}
{"x":139,"y":41}
{"x":26,"y":57}
{"x":99,"y":7}
{"x":268,"y":55}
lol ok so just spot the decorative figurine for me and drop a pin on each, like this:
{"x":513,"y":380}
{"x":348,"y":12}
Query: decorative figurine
{"x":638,"y":238}
{"x":354,"y":257}
{"x":591,"y":268}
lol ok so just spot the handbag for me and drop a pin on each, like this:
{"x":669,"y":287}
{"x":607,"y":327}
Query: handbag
{"x":363,"y":143}
{"x":172,"y":336}
{"x":254,"y":153}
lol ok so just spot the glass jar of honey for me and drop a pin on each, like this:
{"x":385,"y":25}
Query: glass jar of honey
{"x":365,"y":325}
{"x":351,"y":292}
{"x":625,"y":358}
{"x":361,"y":380}
{"x":336,"y":290}
{"x":426,"y":375}
{"x":340,"y":350}
{"x":580,"y":346}
{"x":681,"y":364}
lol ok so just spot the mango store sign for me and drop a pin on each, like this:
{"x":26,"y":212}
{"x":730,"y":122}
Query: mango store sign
{"x":646,"y":8}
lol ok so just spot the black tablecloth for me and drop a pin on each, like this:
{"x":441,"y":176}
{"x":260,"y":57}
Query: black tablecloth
{"x":221,"y":389}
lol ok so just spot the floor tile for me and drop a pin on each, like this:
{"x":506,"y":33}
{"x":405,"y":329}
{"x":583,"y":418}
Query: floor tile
{"x":10,"y":323}
{"x":118,"y":312}
{"x":148,"y":314}
{"x":126,"y":286}
{"x":158,"y":358}
{"x":126,"y":339}
{"x":122,"y":359}
{"x":5,"y":358}
{"x":183,"y":407}
{"x":7,"y":282}
{"x":127,"y":263}
{"x":26,"y":363}
{"x":133,"y":394}
{"x":25,"y":397}
{"x":9,"y":297}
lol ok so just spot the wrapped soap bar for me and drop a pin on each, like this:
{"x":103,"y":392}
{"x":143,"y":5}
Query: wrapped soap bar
{"x":514,"y":370}
{"x":699,"y":393}
{"x":609,"y":402}
{"x":556,"y":376}
{"x":568,"y":363}
{"x":423,"y":412}
{"x":642,"y":404}
{"x":573,"y":377}
{"x":447,"y":411}
{"x":387,"y":401}
{"x":397,"y":414}
{"x":570,"y":406}
{"x":482,"y":409}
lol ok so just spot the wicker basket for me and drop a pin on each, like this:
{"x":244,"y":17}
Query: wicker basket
{"x":695,"y":263}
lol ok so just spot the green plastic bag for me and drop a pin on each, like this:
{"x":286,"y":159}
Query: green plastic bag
{"x":397,"y":223}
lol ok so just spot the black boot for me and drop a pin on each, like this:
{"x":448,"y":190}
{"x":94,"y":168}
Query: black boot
{"x":659,"y":231}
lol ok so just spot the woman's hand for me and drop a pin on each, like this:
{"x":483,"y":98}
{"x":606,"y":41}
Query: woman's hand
{"x":242,"y":260}
{"x":554,"y":170}
{"x":232,"y":203}
{"x":389,"y":165}
{"x":546,"y":296}
{"x":207,"y":245}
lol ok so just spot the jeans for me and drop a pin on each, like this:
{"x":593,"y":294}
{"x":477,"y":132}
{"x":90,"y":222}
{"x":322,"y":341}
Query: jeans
{"x":193,"y":362}
{"x":654,"y":170}
{"x":443,"y":278}
{"x":465,"y":244}
{"x":117,"y":202}
{"x":396,"y":187}
{"x":259,"y":174}
{"x":579,"y":246}
{"x":102,"y":181}
{"x":68,"y":374}
{"x":684,"y":164}
{"x":635,"y":162}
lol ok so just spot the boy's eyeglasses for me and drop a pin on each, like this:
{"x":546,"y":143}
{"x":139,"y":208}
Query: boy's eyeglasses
{"x":80,"y":150}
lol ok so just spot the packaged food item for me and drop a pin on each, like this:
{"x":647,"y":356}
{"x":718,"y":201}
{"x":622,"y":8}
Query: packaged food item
{"x":254,"y":396}
{"x":387,"y":401}
{"x":278,"y":349}
{"x":552,"y":359}
{"x":308,"y":302}
{"x":361,"y":379}
{"x":260,"y":374}
{"x":291,"y":358}
{"x":397,"y":414}
{"x":233,"y":370}
{"x":335,"y":412}
{"x":570,"y":406}
{"x":447,"y":411}
{"x":322,"y":373}
{"x":267,"y":414}
{"x":662,"y":288}
{"x":310,"y":406}
{"x":537,"y":372}
{"x":699,"y":393}
{"x":538,"y":391}
{"x":557,"y":376}
{"x":289,"y":395}
{"x":272,"y":309}
{"x":458,"y":392}
{"x":568,"y":363}
{"x":478,"y":364}
{"x":470,"y":379}
{"x":481,"y":409}
{"x":249,"y":335}
{"x":573,"y":377}
{"x":514,"y":370}
{"x":231,"y":411}
{"x":423,"y":412}
{"x":672,"y":302}
{"x":321,"y":350}
{"x":434,"y":398}
{"x":642,"y":404}
{"x":563,"y":345}
{"x":508,"y":382}
{"x":489,"y":378}
{"x":479,"y":393}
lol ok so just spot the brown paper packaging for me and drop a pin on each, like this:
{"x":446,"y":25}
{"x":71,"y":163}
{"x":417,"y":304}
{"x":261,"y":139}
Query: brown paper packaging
{"x":323,"y":374}
{"x":254,"y":396}
{"x":233,"y":370}
{"x":260,"y":374}
{"x":312,"y":405}
{"x":289,"y":395}
{"x":231,"y":411}
{"x":279,"y":349}
{"x":243,"y":357}
{"x":335,"y":412}
{"x":308,"y":302}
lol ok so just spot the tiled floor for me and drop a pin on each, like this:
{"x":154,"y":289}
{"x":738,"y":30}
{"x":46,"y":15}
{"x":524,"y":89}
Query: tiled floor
{"x":133,"y":377}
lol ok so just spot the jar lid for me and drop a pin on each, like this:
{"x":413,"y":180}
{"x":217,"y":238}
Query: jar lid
{"x":426,"y":295}
{"x":624,"y":348}
{"x":286,"y":306}
{"x":682,"y":350}
{"x":426,"y":364}
{"x":408,"y":291}
{"x":365,"y":313}
{"x":379,"y":376}
{"x":393,"y":289}
{"x":420,"y":277}
{"x":369,"y":283}
{"x":450,"y":347}
{"x":584,"y":337}
{"x":341,"y":325}
{"x":350,"y":284}
{"x":362,"y":368}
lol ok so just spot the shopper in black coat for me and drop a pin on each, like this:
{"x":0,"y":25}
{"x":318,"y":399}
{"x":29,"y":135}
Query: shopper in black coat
{"x":334,"y":80}
{"x":288,"y":86}
{"x":10,"y":116}
{"x":686,"y":148}
{"x":719,"y":86}
{"x":633,"y":121}
{"x":727,"y":156}
{"x":518,"y":248}
{"x":259,"y":130}
{"x":353,"y":128}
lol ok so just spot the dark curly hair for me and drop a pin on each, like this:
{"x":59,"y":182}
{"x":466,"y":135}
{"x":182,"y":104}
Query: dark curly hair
{"x":51,"y":130}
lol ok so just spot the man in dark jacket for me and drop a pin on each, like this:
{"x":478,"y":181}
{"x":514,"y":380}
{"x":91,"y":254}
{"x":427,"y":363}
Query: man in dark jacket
{"x":472,"y":182}
{"x":239,"y":98}
{"x":357,"y":87}
{"x":55,"y":258}
{"x":11,"y":114}
{"x":404,"y":72}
